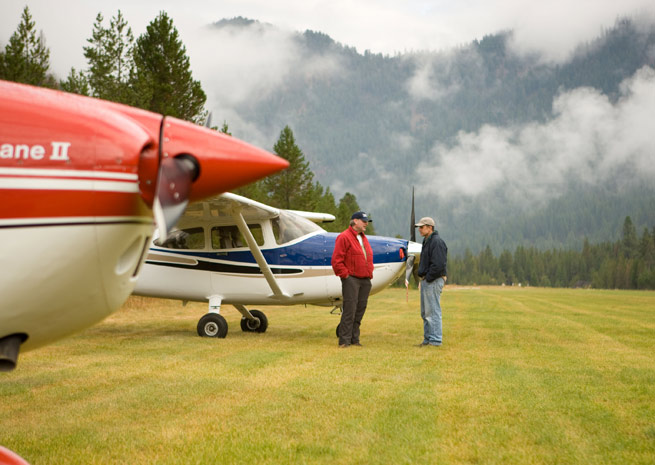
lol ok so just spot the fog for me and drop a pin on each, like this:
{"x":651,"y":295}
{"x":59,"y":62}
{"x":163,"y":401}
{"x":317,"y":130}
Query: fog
{"x":588,"y":140}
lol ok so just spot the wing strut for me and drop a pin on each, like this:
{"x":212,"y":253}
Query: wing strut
{"x":257,"y":253}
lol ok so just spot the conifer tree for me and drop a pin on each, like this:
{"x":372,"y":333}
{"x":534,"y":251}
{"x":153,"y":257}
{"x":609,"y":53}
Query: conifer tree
{"x":630,"y":242}
{"x":292,"y":188}
{"x":225,"y":129}
{"x":163,"y":80}
{"x":347,"y":206}
{"x":76,"y":83}
{"x":324,"y":203}
{"x":110,"y":58}
{"x":26,"y":58}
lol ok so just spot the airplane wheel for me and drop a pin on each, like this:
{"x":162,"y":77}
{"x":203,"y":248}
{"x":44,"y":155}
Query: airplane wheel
{"x":212,"y":325}
{"x":259,"y":326}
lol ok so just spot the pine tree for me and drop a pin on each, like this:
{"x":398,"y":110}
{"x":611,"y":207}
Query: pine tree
{"x":163,"y":80}
{"x":26,"y":58}
{"x":110,"y":58}
{"x":76,"y":83}
{"x":505,"y":263}
{"x":292,"y":188}
{"x":347,"y":206}
{"x":647,"y":248}
{"x":630,"y":242}
{"x":225,"y":129}
{"x":99,"y":71}
{"x":324,"y":203}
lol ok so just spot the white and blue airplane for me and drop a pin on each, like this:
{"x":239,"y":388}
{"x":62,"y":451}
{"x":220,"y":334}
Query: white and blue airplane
{"x":233,"y":250}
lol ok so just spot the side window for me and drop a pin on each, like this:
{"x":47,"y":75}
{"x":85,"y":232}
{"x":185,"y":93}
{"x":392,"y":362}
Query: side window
{"x":256,"y":231}
{"x":191,"y":238}
{"x":229,"y":237}
{"x":226,"y":237}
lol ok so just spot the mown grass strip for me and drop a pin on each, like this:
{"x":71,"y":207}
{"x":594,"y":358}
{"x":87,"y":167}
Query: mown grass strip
{"x":525,"y":376}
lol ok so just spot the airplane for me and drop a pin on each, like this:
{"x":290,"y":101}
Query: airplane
{"x":233,"y":250}
{"x":80,"y":182}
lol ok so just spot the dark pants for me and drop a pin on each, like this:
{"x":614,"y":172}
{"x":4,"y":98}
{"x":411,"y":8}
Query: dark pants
{"x":355,"y":297}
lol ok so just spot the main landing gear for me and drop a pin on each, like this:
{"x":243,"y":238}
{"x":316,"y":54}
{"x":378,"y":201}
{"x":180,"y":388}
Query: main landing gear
{"x":214,"y":325}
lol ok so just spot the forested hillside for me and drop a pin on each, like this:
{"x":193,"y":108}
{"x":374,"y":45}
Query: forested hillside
{"x":375,"y":125}
{"x":529,"y":167}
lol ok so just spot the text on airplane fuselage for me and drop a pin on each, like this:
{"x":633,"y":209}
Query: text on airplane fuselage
{"x":59,"y":151}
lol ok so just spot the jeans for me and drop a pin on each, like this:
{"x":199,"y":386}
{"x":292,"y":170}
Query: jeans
{"x":355,"y":298}
{"x":431,"y":311}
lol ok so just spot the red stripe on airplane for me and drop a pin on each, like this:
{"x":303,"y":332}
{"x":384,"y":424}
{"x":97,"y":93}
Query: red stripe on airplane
{"x":32,"y":203}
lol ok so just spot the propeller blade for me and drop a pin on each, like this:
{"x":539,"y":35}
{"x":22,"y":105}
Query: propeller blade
{"x":197,"y":162}
{"x":174,"y":185}
{"x":412,"y":228}
{"x":409,"y":268}
{"x":413,"y":249}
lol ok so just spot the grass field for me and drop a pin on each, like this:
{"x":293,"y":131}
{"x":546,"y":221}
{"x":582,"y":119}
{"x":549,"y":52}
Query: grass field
{"x":525,"y":376}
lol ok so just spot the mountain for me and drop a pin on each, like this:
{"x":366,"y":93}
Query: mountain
{"x":504,"y":149}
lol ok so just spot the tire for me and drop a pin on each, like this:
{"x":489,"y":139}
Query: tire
{"x":250,"y":326}
{"x":212,"y":325}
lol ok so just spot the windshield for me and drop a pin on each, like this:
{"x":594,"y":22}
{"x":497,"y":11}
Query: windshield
{"x":289,"y":226}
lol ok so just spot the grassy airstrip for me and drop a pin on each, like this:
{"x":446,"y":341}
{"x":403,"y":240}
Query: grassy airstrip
{"x":526,"y":376}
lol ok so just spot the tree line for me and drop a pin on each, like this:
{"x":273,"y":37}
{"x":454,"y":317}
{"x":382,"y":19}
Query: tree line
{"x":153,"y":72}
{"x":628,"y":263}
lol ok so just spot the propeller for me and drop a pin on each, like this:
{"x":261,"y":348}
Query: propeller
{"x":174,"y":184}
{"x":194,"y":162}
{"x":412,"y":226}
{"x":413,"y":252}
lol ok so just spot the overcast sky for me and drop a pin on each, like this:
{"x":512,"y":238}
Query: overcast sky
{"x":386,"y":26}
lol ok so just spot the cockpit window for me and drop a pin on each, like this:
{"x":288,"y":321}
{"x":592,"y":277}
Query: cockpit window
{"x":289,"y":226}
{"x":191,"y":238}
{"x":229,"y":237}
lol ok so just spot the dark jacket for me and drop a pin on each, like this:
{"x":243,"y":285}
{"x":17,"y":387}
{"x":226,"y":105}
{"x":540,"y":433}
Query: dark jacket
{"x":433,"y":258}
{"x":348,"y":257}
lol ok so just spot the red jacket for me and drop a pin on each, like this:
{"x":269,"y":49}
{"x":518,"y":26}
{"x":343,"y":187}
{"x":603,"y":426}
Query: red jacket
{"x":348,"y":257}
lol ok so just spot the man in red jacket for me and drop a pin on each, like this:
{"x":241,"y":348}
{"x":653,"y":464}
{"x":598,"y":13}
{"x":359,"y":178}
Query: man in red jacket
{"x":352,"y":261}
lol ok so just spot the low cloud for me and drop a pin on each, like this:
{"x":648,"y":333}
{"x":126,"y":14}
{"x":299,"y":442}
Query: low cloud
{"x":554,"y":30}
{"x":247,"y":63}
{"x":437,"y":75}
{"x":237,"y":64}
{"x":589,"y":140}
{"x":241,"y":64}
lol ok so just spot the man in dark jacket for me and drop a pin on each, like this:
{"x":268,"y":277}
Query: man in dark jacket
{"x":432,"y":271}
{"x":352,"y":261}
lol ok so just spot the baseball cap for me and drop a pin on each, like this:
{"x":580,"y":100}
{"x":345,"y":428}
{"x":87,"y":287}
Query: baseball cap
{"x":360,"y":216}
{"x":426,"y":220}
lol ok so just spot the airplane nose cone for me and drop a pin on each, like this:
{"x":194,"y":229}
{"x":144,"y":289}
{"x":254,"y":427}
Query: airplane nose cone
{"x":224,"y":162}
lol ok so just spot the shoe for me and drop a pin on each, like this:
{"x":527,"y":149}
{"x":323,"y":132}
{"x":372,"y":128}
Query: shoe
{"x":422,"y":344}
{"x":357,"y":344}
{"x":343,"y":346}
